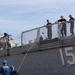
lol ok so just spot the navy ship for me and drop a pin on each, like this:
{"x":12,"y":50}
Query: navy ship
{"x":55,"y":56}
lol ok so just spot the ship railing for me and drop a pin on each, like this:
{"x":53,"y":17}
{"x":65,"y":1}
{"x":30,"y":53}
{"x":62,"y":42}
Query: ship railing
{"x":33,"y":35}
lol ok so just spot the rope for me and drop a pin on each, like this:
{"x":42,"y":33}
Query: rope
{"x":25,"y":55}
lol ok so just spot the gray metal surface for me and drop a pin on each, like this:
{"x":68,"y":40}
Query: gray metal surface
{"x":46,"y":62}
{"x":52,"y":61}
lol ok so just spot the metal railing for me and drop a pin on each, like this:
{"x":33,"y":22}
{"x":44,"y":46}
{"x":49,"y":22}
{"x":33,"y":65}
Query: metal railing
{"x":30,"y":36}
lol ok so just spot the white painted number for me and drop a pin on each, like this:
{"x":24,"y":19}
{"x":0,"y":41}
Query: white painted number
{"x":62,"y":58}
{"x":68,"y":54}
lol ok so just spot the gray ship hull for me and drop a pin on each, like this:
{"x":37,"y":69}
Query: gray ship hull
{"x":53,"y":58}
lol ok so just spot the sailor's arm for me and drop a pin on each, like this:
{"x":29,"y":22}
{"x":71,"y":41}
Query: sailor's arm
{"x":56,"y":22}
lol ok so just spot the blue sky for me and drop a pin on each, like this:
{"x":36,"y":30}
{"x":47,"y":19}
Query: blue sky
{"x":17,"y":16}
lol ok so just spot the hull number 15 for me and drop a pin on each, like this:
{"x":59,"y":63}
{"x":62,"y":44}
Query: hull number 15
{"x":69,"y":54}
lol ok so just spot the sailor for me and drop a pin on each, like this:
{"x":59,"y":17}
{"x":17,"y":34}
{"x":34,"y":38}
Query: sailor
{"x":5,"y":70}
{"x":12,"y":70}
{"x":49,"y":29}
{"x":71,"y":21}
{"x":7,"y":45}
{"x":63,"y":25}
{"x":40,"y":38}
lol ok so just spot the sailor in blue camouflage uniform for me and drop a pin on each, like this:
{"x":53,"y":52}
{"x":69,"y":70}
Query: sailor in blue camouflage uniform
{"x":5,"y":70}
{"x":12,"y":70}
